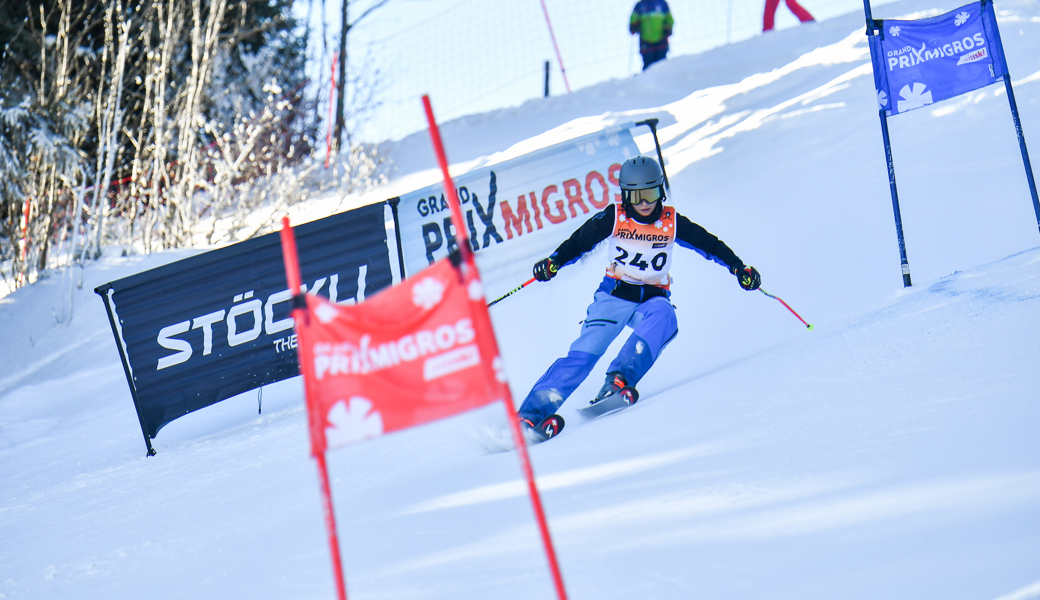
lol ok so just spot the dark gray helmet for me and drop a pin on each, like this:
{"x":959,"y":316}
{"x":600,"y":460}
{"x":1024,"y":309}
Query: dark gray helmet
{"x":640,"y":173}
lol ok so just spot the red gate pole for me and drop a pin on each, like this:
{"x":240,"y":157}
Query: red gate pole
{"x":330,"y":525}
{"x":521,"y":447}
{"x":292,"y":274}
{"x":559,"y":58}
{"x":536,"y":500}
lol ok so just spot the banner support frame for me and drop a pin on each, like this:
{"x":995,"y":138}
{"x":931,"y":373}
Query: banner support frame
{"x":110,"y":310}
{"x":393,"y":202}
{"x":652,"y":124}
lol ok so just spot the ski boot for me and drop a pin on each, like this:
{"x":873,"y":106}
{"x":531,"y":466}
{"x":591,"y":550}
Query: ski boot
{"x":616,"y":384}
{"x":548,"y":427}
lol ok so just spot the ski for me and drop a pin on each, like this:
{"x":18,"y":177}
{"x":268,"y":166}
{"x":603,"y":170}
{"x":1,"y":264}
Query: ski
{"x":548,"y":428}
{"x":497,"y":439}
{"x":626,"y":396}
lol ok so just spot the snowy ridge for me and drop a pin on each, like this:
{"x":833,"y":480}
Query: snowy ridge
{"x":890,"y":453}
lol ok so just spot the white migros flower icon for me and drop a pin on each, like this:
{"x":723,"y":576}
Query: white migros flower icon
{"x":475,"y":290}
{"x":500,"y":369}
{"x":914,"y":97}
{"x":961,"y":18}
{"x":349,"y":425}
{"x":427,"y":293}
{"x":326,"y":313}
{"x":659,"y":224}
{"x":894,"y":30}
{"x":882,"y":98}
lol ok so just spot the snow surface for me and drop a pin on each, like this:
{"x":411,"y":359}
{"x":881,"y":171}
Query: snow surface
{"x":890,"y":453}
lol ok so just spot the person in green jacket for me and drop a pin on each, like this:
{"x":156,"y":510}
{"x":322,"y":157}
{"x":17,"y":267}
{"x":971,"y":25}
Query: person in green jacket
{"x":652,"y":20}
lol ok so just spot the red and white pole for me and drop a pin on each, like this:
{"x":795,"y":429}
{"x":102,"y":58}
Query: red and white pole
{"x":482,"y":320}
{"x":559,"y":58}
{"x":292,"y":275}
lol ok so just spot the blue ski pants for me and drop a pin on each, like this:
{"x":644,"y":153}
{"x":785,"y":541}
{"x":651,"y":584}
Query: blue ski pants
{"x":654,"y":326}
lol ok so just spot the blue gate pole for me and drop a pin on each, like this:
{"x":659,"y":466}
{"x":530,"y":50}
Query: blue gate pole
{"x":904,"y":265}
{"x":1022,"y":146}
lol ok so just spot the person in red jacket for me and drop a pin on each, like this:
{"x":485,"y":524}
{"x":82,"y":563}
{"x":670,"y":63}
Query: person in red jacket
{"x":771,"y":6}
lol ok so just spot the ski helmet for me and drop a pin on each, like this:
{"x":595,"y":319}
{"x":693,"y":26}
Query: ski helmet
{"x":640,"y":173}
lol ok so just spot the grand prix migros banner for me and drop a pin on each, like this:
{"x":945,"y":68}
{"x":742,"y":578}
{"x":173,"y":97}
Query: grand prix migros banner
{"x":539,"y":198}
{"x":917,"y":63}
{"x":206,"y":328}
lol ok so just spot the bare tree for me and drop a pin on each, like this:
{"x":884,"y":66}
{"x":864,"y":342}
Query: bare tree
{"x":153,"y":124}
{"x":341,"y":84}
{"x":45,"y":123}
{"x":109,"y":112}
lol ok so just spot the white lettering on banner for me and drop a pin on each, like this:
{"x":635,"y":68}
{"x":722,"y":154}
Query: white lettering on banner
{"x":270,"y":325}
{"x":345,"y":359}
{"x":166,"y":340}
{"x":236,"y":337}
{"x":205,"y":322}
{"x":445,"y":364}
{"x":285,"y":344}
{"x":238,"y":328}
{"x":909,"y":56}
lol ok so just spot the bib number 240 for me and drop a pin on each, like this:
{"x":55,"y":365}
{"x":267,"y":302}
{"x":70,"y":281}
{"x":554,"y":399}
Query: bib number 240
{"x":639,"y":262}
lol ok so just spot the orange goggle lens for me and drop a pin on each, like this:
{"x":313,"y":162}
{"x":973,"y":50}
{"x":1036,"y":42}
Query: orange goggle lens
{"x":647,"y":196}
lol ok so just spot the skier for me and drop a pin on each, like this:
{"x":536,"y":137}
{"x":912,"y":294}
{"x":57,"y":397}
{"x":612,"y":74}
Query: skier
{"x":635,"y":292}
{"x":653,"y":21}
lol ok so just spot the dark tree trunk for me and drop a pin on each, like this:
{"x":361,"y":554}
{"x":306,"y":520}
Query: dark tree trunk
{"x":341,"y":84}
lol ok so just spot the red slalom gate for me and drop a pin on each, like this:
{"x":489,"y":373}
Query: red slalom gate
{"x":417,"y":352}
{"x":485,"y":320}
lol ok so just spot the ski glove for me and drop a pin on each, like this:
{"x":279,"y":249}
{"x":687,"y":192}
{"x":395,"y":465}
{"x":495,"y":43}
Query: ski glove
{"x":748,"y":277}
{"x":545,"y":269}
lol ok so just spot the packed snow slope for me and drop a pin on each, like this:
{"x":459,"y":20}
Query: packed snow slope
{"x":892,"y":452}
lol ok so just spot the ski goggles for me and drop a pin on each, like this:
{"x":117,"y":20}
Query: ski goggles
{"x":644,"y":196}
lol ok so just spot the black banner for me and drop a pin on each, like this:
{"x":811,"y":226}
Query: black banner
{"x":206,"y":328}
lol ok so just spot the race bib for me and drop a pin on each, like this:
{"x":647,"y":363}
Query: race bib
{"x":642,"y":253}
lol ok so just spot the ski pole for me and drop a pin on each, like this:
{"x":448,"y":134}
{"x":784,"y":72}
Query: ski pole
{"x":807,"y":325}
{"x":512,"y":291}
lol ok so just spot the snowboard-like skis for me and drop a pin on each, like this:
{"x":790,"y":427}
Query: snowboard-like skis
{"x":626,"y":397}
